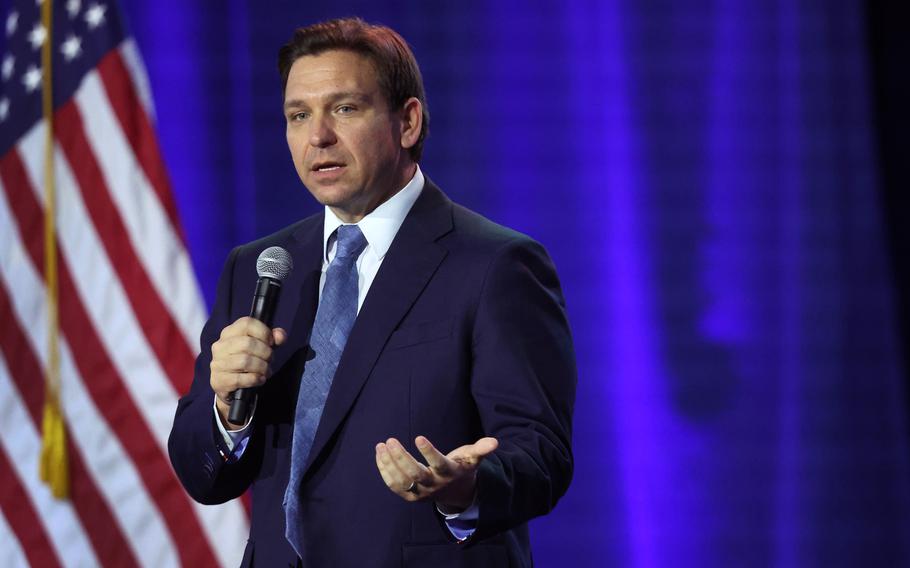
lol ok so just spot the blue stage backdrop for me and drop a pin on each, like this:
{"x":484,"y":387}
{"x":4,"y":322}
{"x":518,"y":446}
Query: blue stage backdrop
{"x":703,"y":174}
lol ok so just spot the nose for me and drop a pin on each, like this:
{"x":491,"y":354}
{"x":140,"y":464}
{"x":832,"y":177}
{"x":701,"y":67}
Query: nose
{"x":321,"y":132}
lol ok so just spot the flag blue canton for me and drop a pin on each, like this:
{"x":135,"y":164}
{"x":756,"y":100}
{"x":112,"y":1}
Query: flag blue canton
{"x":83,"y":33}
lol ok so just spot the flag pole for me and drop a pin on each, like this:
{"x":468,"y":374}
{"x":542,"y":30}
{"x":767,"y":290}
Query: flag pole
{"x":54,"y":467}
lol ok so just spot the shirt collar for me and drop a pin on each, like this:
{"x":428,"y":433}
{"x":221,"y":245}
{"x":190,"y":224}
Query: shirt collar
{"x":381,"y":225}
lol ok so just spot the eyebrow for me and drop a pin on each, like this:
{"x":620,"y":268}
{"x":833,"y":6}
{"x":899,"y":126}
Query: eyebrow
{"x":331,"y":98}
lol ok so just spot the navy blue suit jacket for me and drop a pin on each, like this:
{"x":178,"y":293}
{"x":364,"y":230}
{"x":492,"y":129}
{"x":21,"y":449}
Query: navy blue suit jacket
{"x":463,"y":334}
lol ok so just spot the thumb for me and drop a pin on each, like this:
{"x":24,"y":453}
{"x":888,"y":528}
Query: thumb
{"x":474,"y":453}
{"x":279,"y":335}
{"x":485,"y":446}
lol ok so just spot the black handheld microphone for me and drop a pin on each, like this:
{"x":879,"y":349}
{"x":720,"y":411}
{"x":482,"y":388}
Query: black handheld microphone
{"x":273,"y":265}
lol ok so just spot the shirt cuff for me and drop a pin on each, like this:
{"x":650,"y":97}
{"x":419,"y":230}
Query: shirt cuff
{"x":463,"y":524}
{"x":234,"y":440}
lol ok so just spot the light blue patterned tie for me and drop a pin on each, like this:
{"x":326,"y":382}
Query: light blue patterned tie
{"x":334,"y":320}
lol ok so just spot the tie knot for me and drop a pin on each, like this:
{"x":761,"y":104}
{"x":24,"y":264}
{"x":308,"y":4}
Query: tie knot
{"x":351,"y":241}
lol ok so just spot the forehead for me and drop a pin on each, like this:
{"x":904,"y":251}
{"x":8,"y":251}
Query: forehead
{"x":315,"y":76}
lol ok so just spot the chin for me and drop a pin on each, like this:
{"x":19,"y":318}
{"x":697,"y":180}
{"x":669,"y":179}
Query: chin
{"x":335,"y":200}
{"x":332,"y":195}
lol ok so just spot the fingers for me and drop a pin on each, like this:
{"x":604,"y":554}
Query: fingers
{"x":405,"y":462}
{"x":230,"y":371}
{"x":394,"y":478}
{"x":400,"y":471}
{"x":249,"y":327}
{"x":434,"y":457}
{"x":384,"y":465}
{"x":240,"y":357}
{"x":241,"y":344}
{"x":241,"y":362}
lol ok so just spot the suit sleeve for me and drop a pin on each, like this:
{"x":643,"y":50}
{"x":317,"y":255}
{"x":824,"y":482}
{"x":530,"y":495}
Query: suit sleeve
{"x":523,"y":382}
{"x":197,"y":450}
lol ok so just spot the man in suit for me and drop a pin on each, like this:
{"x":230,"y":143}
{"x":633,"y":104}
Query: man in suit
{"x":416,"y":390}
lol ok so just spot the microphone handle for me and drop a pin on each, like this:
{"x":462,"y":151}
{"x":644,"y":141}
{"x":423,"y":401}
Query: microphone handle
{"x":264,"y":301}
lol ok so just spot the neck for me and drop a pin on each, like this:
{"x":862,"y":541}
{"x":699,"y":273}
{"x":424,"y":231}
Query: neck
{"x":401,"y":180}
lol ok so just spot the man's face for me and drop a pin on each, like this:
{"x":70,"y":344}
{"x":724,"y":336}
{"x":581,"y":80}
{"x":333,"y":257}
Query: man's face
{"x":345,"y":141}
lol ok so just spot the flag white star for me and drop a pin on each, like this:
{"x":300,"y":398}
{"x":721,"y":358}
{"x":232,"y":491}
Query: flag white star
{"x":9,"y":64}
{"x":94,"y":16}
{"x":71,"y":48}
{"x":32,"y":79}
{"x":12,"y":22}
{"x":37,"y":36}
{"x":73,"y":7}
{"x":4,"y":109}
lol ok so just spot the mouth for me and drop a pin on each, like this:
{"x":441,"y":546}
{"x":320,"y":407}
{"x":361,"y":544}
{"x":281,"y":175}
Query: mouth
{"x":327,"y":166}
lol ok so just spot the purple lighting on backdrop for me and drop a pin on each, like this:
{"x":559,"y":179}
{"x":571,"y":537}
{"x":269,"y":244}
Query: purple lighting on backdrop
{"x":240,"y":108}
{"x":624,"y":346}
{"x":786,"y":515}
{"x":171,"y":40}
{"x":703,"y":176}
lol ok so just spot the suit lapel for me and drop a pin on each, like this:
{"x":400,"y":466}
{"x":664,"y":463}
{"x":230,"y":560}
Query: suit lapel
{"x":406,"y":269}
{"x":300,"y":292}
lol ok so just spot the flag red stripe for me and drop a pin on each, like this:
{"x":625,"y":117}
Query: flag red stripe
{"x":17,"y":184}
{"x":114,"y":402}
{"x":22,"y":518}
{"x":19,"y":356}
{"x":138,"y":129}
{"x":96,"y":518}
{"x":20,"y":359}
{"x":26,"y":211}
{"x":161,"y":331}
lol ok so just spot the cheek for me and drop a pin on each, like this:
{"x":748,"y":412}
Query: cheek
{"x":298,"y":155}
{"x":377,"y":147}
{"x":296,"y":148}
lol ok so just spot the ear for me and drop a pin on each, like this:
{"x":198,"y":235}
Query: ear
{"x":411,"y":122}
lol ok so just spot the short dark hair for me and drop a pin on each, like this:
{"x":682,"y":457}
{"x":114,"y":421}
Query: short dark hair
{"x":397,"y":70}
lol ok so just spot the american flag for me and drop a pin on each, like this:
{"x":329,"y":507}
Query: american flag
{"x":129,"y":307}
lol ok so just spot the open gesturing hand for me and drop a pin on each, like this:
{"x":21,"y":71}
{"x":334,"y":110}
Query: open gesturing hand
{"x":449,"y":479}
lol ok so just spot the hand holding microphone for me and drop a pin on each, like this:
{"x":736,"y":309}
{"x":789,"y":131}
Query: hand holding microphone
{"x":240,"y":357}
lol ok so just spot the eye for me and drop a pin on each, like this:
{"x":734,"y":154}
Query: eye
{"x":298,"y":116}
{"x":345,"y":109}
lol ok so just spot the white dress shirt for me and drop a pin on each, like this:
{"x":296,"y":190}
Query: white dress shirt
{"x":379,"y":227}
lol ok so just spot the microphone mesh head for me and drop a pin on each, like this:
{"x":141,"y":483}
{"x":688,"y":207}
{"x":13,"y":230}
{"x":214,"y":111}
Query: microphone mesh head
{"x":274,"y":263}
